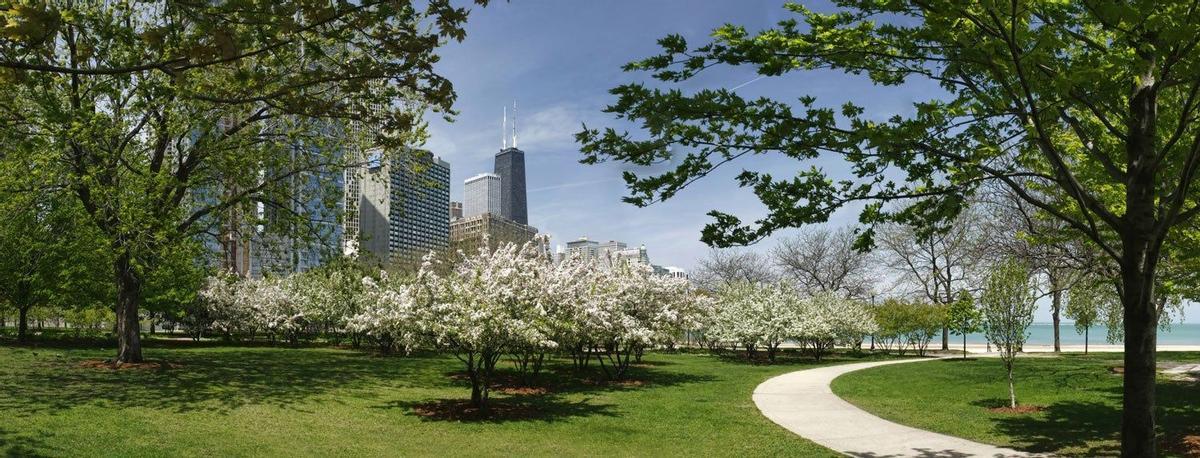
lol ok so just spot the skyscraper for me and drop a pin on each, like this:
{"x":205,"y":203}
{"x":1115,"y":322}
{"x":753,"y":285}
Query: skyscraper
{"x":510,"y":166}
{"x":419,"y":196}
{"x":482,"y":194}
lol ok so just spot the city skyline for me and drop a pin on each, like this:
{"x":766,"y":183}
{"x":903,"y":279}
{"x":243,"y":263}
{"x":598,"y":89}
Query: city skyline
{"x":560,"y":68}
{"x":560,"y":75}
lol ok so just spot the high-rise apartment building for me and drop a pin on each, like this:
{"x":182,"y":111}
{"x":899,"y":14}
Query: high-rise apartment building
{"x":374,"y":207}
{"x":419,"y":196}
{"x":510,"y":166}
{"x":482,"y":194}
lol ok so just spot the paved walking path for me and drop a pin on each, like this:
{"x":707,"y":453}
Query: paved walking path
{"x":803,"y":403}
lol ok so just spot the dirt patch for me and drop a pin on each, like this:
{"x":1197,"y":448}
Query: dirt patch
{"x":625,"y":383}
{"x":462,"y":410}
{"x":522,"y":390}
{"x":1019,"y":410}
{"x":1186,"y":445}
{"x":1116,"y":370}
{"x":111,"y":365}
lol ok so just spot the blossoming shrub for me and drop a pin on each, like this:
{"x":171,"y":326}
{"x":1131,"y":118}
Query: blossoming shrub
{"x":749,"y":315}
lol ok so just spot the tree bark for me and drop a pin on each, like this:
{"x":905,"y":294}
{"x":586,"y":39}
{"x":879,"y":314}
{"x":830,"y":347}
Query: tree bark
{"x":1085,"y":339}
{"x":129,"y":298}
{"x":1012,"y":392}
{"x":1141,"y":322}
{"x":23,"y":324}
{"x":1055,"y":309}
{"x":1140,"y":244}
{"x":945,"y":338}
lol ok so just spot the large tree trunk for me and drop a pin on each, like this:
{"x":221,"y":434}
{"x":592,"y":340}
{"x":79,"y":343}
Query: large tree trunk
{"x":23,"y":324}
{"x":1140,"y":244}
{"x":945,"y":338}
{"x":23,"y":299}
{"x":1141,"y":323}
{"x":129,"y":298}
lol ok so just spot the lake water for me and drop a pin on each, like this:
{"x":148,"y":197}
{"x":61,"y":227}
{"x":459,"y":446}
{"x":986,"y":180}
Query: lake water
{"x":1043,"y":334}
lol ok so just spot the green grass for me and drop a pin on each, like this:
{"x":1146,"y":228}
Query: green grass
{"x":1080,"y":394}
{"x":242,"y":401}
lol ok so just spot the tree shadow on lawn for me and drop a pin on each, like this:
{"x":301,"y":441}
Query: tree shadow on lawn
{"x":1093,"y":428}
{"x":561,"y":377}
{"x":225,"y":379}
{"x":916,"y":453}
{"x":542,"y":397}
{"x":23,"y":445}
{"x":217,"y":381}
{"x":538,"y":407}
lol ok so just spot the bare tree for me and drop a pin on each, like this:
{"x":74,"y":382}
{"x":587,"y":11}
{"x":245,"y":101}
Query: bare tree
{"x":728,"y":265}
{"x":939,"y":265}
{"x":1018,"y":230}
{"x":824,"y":260}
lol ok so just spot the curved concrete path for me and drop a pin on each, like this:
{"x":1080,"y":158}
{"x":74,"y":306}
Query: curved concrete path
{"x":803,"y":403}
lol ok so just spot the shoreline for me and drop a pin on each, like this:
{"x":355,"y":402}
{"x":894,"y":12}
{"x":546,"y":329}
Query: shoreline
{"x":1074,"y":348}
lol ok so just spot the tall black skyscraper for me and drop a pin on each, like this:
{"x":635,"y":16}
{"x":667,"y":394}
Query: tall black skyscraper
{"x":510,"y":165}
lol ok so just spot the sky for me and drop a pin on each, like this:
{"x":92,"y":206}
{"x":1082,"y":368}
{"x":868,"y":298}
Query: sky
{"x":557,"y":60}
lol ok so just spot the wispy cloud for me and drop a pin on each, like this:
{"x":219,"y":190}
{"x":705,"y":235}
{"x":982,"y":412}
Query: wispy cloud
{"x":552,"y":128}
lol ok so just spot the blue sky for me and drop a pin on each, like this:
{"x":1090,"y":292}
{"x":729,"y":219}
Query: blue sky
{"x":558,"y":58}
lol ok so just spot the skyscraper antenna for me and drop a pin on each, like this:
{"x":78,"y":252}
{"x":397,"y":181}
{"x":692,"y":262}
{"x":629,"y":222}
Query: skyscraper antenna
{"x":514,"y":123}
{"x":504,"y":131}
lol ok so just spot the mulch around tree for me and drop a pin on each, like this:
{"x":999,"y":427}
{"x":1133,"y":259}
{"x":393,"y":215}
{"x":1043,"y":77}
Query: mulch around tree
{"x":1186,"y":445}
{"x":112,"y":365}
{"x":1019,"y":410}
{"x":462,"y":410}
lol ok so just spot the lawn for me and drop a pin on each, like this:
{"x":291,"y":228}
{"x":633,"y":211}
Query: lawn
{"x":1080,"y":396}
{"x":241,"y":401}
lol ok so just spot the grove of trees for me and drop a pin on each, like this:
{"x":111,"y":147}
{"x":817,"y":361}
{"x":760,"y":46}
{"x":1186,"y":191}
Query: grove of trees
{"x":1083,"y":110}
{"x":166,"y":122}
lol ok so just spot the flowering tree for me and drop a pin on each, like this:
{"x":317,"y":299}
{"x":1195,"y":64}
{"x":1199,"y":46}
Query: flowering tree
{"x":627,"y":309}
{"x":748,"y":315}
{"x":489,"y":304}
{"x":331,"y":296}
{"x":825,"y":320}
{"x":390,"y":311}
{"x":769,"y":314}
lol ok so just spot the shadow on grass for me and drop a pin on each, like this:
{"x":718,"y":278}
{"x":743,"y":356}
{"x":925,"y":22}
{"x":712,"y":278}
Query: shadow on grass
{"x":1080,"y":426}
{"x":542,"y":408}
{"x":916,"y":453}
{"x":561,"y":378}
{"x":23,"y":445}
{"x":217,"y":381}
{"x":224,"y":379}
{"x":1093,"y":428}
